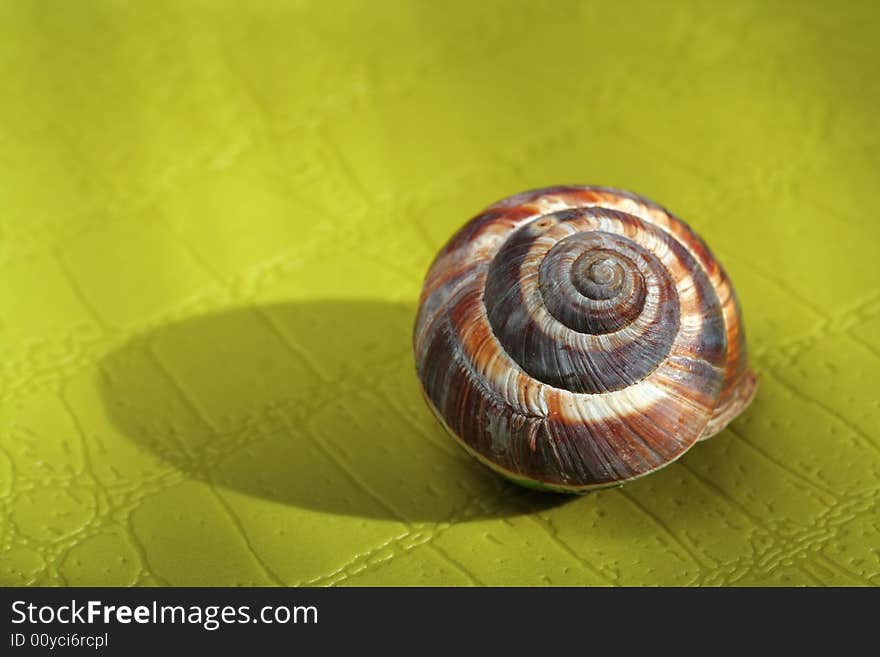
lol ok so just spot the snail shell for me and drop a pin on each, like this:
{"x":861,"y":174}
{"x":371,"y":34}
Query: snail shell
{"x":572,"y":338}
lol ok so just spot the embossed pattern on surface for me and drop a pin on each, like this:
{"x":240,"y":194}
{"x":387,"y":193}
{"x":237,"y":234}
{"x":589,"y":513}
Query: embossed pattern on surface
{"x":214,"y":224}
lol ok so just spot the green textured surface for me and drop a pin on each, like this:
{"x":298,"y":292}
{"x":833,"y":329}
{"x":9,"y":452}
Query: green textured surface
{"x":214,"y":223}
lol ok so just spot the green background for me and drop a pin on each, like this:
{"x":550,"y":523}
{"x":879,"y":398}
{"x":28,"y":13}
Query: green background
{"x":215,"y":218}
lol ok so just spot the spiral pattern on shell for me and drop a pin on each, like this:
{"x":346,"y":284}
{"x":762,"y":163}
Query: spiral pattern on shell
{"x":579,"y":337}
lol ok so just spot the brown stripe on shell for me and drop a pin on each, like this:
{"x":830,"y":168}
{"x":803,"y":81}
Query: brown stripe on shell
{"x":740,"y":383}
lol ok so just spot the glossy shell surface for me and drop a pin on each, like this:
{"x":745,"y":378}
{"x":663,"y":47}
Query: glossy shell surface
{"x":577,"y":337}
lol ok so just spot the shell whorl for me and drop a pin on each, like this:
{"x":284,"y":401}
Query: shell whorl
{"x":579,"y":337}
